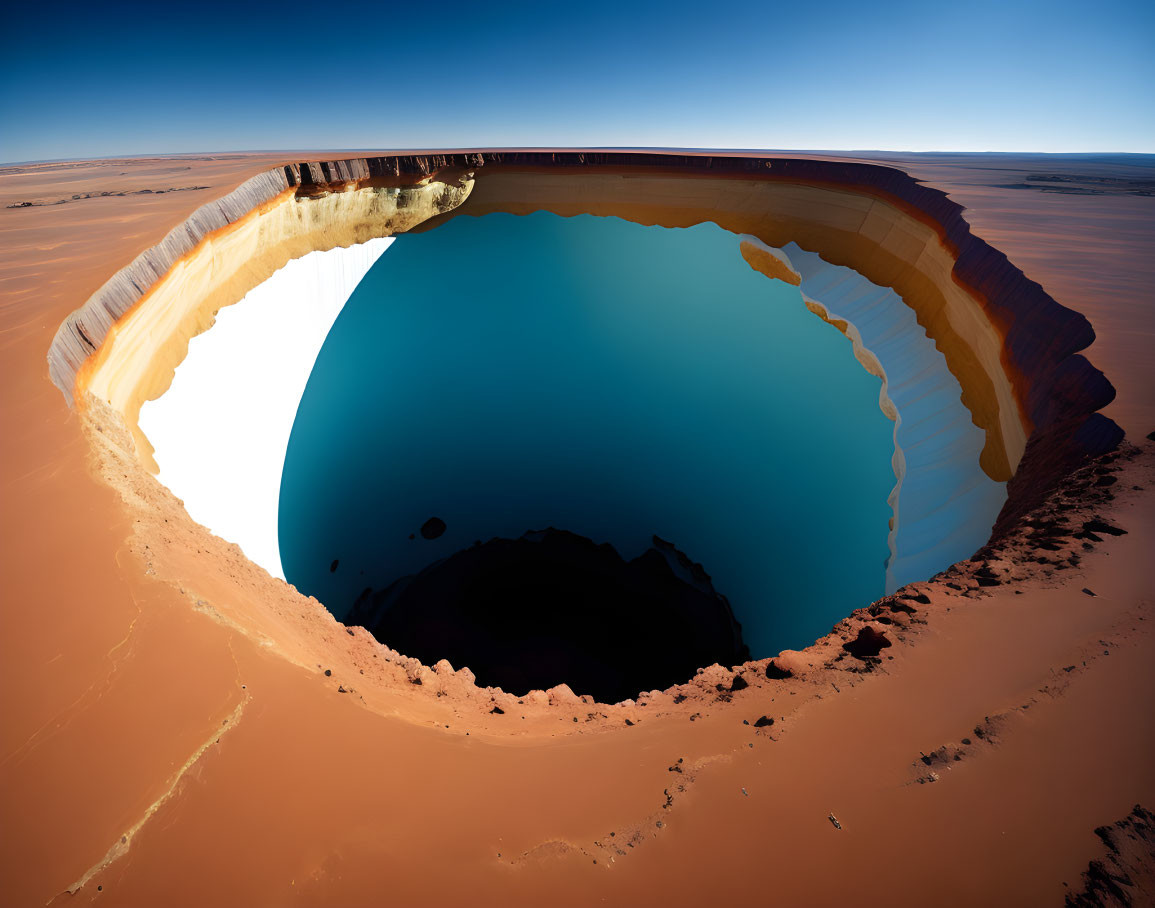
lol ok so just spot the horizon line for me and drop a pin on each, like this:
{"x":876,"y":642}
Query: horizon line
{"x":568,"y":148}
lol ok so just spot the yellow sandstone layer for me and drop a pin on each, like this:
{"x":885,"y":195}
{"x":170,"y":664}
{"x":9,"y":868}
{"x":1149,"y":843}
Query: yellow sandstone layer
{"x":141,"y":351}
{"x":885,"y":244}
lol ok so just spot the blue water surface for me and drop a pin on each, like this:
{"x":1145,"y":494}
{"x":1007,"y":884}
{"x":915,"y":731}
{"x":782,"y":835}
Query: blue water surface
{"x":510,"y":373}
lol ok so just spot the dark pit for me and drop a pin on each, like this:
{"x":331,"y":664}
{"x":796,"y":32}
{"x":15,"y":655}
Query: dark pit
{"x":554,"y":607}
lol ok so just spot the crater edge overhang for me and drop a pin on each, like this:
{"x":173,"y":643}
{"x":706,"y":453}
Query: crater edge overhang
{"x":1013,"y":349}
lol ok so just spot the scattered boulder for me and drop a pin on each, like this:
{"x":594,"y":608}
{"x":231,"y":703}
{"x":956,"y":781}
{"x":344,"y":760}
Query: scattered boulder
{"x":562,"y":695}
{"x":914,"y":594}
{"x":792,"y":661}
{"x":1100,"y":526}
{"x":777,"y":672}
{"x":414,"y":670}
{"x":868,"y":644}
{"x":737,"y":683}
{"x":432,"y":528}
{"x":537,"y":698}
{"x":986,"y":576}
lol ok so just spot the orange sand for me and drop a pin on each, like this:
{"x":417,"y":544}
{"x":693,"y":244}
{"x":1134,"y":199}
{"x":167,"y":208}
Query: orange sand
{"x":130,"y":637}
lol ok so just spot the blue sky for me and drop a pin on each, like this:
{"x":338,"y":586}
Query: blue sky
{"x":127,"y":78}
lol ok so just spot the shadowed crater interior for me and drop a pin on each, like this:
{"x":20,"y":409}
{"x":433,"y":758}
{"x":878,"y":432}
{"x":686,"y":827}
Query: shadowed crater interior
{"x":553,"y":607}
{"x":618,"y":382}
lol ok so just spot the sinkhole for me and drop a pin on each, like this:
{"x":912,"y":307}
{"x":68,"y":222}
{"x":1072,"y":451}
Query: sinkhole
{"x":587,"y":451}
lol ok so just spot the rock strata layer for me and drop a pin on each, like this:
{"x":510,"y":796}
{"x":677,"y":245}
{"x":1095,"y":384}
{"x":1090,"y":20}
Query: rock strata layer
{"x":943,"y":503}
{"x":1013,"y":349}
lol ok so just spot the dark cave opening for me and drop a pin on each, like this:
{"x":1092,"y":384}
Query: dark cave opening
{"x":554,"y":607}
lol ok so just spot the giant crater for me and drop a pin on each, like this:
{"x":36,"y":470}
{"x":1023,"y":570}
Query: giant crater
{"x":947,"y":381}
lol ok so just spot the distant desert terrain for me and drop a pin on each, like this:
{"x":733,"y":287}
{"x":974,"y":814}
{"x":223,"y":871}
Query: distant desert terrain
{"x":179,"y":728}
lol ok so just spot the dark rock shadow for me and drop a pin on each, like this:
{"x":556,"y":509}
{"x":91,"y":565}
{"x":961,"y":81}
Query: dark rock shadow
{"x":553,"y":607}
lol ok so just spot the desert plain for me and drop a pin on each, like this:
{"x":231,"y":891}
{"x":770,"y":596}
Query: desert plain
{"x":178,"y":728}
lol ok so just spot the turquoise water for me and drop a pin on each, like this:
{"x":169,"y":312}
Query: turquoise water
{"x":510,"y":373}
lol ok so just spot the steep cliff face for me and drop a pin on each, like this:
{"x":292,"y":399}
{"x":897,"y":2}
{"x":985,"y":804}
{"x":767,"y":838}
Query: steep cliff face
{"x":124,"y":344}
{"x":221,"y":431}
{"x":1012,"y":348}
{"x":942,"y":501}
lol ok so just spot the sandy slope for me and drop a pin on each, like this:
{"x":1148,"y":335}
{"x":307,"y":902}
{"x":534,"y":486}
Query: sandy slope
{"x":176,"y":742}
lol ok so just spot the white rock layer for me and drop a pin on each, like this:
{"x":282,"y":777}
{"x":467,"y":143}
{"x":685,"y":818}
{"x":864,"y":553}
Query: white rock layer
{"x":944,"y":504}
{"x":221,"y":431}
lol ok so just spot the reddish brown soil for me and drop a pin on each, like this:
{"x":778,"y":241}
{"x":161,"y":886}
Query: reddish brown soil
{"x":170,"y":737}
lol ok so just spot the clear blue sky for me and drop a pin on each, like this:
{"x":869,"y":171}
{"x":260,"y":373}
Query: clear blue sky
{"x":127,"y":78}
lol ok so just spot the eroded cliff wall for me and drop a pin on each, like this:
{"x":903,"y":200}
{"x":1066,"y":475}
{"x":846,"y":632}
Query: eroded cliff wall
{"x":220,"y":433}
{"x":943,"y":503}
{"x":1012,"y":348}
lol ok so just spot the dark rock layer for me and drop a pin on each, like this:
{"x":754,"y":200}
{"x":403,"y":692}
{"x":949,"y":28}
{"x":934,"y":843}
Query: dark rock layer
{"x":433,"y":528}
{"x":553,"y":607}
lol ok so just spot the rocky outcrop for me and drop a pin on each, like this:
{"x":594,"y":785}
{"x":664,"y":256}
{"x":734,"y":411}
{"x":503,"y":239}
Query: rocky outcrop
{"x":553,"y":607}
{"x":1125,"y":874}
